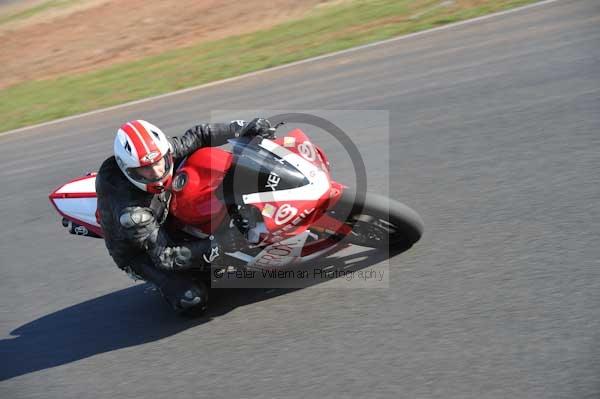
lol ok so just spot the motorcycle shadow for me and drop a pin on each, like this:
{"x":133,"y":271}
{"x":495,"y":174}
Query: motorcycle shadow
{"x":128,"y":317}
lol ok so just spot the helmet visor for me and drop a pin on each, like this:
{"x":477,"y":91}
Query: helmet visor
{"x":152,"y":173}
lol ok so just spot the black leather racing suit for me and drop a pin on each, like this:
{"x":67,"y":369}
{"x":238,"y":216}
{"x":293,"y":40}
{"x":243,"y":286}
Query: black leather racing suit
{"x":132,"y":220}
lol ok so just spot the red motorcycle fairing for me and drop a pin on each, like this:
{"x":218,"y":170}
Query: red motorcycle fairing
{"x":287,"y":209}
{"x":289,"y":215}
{"x":285,"y":212}
{"x":194,"y":201}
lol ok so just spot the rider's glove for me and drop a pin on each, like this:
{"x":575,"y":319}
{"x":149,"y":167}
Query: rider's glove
{"x":191,"y":255}
{"x":258,"y":127}
{"x":176,"y":258}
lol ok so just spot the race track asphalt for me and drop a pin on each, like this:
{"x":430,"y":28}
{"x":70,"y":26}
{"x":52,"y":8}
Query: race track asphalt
{"x":494,"y":138}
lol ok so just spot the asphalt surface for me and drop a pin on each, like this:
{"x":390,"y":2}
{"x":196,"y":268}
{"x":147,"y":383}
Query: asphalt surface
{"x":494,"y":139}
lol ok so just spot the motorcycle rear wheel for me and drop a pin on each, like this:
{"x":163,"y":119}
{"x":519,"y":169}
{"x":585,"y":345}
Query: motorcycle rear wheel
{"x":378,"y":221}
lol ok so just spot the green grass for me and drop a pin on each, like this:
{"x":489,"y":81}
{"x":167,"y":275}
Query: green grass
{"x":29,"y":12}
{"x":326,"y":30}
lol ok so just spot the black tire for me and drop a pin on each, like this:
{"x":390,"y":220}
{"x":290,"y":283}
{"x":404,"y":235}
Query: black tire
{"x":378,"y":222}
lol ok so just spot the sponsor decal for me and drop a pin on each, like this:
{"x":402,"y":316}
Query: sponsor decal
{"x":296,"y":221}
{"x":214,"y":253}
{"x":275,"y":255}
{"x":151,"y":156}
{"x":285,"y":213}
{"x":127,"y":147}
{"x":268,"y":210}
{"x":180,"y":181}
{"x":289,"y":141}
{"x":155,"y":135}
{"x":277,"y":235}
{"x":80,"y":230}
{"x":280,"y":253}
{"x":307,"y":150}
{"x":273,"y":181}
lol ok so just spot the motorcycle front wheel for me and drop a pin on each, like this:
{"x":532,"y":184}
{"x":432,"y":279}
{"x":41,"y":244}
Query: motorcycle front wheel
{"x":378,"y":221}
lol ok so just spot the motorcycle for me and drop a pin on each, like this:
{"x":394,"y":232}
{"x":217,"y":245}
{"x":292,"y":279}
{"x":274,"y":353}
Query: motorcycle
{"x":276,"y":195}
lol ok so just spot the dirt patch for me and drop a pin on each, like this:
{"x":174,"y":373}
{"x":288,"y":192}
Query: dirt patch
{"x":96,"y":33}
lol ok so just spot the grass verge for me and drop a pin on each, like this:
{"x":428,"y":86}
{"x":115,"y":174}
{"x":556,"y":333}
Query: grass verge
{"x":326,"y":30}
{"x":30,"y":12}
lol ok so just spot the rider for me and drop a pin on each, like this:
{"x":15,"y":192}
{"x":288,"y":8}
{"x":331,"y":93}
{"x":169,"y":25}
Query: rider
{"x":133,"y":189}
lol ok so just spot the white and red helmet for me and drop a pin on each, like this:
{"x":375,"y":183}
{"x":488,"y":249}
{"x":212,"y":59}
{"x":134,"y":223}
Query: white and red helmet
{"x":139,"y":144}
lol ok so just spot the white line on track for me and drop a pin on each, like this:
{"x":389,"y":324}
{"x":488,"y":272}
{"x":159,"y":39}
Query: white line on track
{"x":255,"y":73}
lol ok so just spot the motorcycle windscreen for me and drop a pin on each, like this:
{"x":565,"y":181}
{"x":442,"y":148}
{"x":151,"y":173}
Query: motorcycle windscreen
{"x":256,"y":170}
